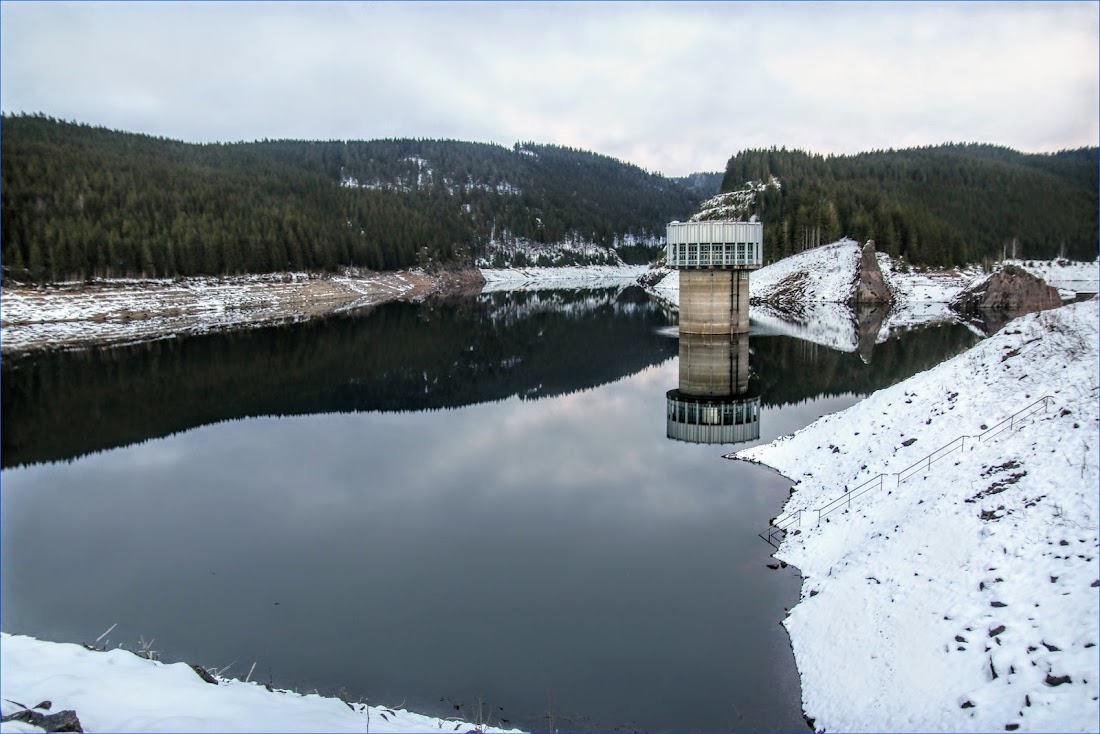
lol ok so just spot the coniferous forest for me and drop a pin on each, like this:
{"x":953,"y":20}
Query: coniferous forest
{"x":81,"y":201}
{"x":940,"y":205}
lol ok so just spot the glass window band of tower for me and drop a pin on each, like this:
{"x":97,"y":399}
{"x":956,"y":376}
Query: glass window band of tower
{"x":715,"y":244}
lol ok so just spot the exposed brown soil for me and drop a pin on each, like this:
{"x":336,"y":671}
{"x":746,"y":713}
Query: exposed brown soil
{"x":62,"y":316}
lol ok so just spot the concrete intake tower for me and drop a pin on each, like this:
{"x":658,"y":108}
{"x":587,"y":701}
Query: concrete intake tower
{"x":714,"y":260}
{"x":714,"y":403}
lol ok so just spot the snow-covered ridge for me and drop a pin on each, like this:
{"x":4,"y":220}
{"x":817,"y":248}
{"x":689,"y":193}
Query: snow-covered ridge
{"x":733,"y":205}
{"x":825,"y":274}
{"x":965,"y":598}
{"x":119,"y":691}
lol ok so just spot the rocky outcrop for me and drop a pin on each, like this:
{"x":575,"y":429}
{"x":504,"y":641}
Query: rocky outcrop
{"x":61,"y":721}
{"x":870,"y":287}
{"x":1005,"y":295}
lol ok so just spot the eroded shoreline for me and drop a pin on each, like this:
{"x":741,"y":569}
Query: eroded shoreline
{"x":115,"y":312}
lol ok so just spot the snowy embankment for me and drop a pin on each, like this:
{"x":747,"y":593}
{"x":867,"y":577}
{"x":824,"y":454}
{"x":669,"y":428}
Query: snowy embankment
{"x":1067,"y":276}
{"x":125,"y":310}
{"x":964,"y":597}
{"x":825,"y":274}
{"x":119,"y":691}
{"x":589,"y":276}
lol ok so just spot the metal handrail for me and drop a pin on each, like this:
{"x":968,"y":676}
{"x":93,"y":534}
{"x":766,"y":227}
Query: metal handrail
{"x":848,"y":495}
{"x":780,"y":525}
{"x":1011,"y":419}
{"x":961,"y":440}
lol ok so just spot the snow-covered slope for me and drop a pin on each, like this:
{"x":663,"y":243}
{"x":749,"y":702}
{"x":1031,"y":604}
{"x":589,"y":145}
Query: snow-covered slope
{"x":822,"y":274}
{"x":119,"y":691}
{"x":964,"y":598}
{"x":591,"y":276}
{"x":1066,"y":275}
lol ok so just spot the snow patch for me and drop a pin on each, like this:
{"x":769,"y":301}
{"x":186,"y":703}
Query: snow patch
{"x":119,"y":691}
{"x":585,"y":277}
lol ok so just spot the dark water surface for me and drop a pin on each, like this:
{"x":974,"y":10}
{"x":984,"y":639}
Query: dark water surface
{"x":424,"y":504}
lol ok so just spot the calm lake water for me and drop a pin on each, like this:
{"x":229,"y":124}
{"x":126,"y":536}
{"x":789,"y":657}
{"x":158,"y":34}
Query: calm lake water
{"x":421,"y":505}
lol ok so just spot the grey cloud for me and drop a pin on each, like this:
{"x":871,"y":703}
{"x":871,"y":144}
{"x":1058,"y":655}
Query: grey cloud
{"x":673,"y":87}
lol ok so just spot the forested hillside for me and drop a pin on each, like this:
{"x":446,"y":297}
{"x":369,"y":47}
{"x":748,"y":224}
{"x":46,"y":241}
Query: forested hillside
{"x":81,"y":201}
{"x":704,"y":185}
{"x":947,"y":204}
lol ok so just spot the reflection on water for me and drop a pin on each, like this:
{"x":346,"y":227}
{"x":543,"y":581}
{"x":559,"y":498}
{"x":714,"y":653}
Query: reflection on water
{"x":834,"y":325}
{"x":713,"y":404}
{"x":428,"y":503}
{"x":399,"y":356}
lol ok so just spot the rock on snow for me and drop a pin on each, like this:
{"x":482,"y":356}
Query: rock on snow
{"x":964,"y":598}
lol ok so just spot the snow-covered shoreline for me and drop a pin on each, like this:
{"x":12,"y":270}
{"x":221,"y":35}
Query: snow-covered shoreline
{"x":128,"y":310}
{"x":965,"y":597}
{"x":587,"y":276}
{"x":119,"y":311}
{"x":116,"y":690}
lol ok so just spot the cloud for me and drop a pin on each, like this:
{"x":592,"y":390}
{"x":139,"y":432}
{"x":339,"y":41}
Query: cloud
{"x":674,"y":87}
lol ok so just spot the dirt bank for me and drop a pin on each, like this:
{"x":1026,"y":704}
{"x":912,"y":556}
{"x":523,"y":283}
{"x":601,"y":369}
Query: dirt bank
{"x":69,"y":315}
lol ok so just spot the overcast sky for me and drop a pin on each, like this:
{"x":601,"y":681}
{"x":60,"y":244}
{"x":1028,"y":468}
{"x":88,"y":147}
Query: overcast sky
{"x":674,"y":87}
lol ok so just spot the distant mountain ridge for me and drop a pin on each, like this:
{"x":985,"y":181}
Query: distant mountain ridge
{"x":81,"y":201}
{"x":937,"y":205}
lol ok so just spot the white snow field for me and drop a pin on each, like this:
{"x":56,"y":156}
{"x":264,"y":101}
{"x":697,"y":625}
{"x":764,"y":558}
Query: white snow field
{"x":823,"y":274}
{"x":119,"y":691}
{"x":964,"y":596}
{"x":589,"y":276}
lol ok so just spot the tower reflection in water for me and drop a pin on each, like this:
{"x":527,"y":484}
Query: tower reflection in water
{"x":713,"y":403}
{"x":714,"y":260}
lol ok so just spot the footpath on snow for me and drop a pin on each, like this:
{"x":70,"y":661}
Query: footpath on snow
{"x":965,"y":596}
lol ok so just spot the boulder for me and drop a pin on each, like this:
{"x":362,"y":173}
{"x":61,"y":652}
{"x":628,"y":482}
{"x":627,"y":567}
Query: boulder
{"x":870,"y":285}
{"x":1010,"y":292}
{"x":61,"y":721}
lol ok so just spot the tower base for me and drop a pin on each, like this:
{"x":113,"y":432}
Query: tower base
{"x":714,"y":301}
